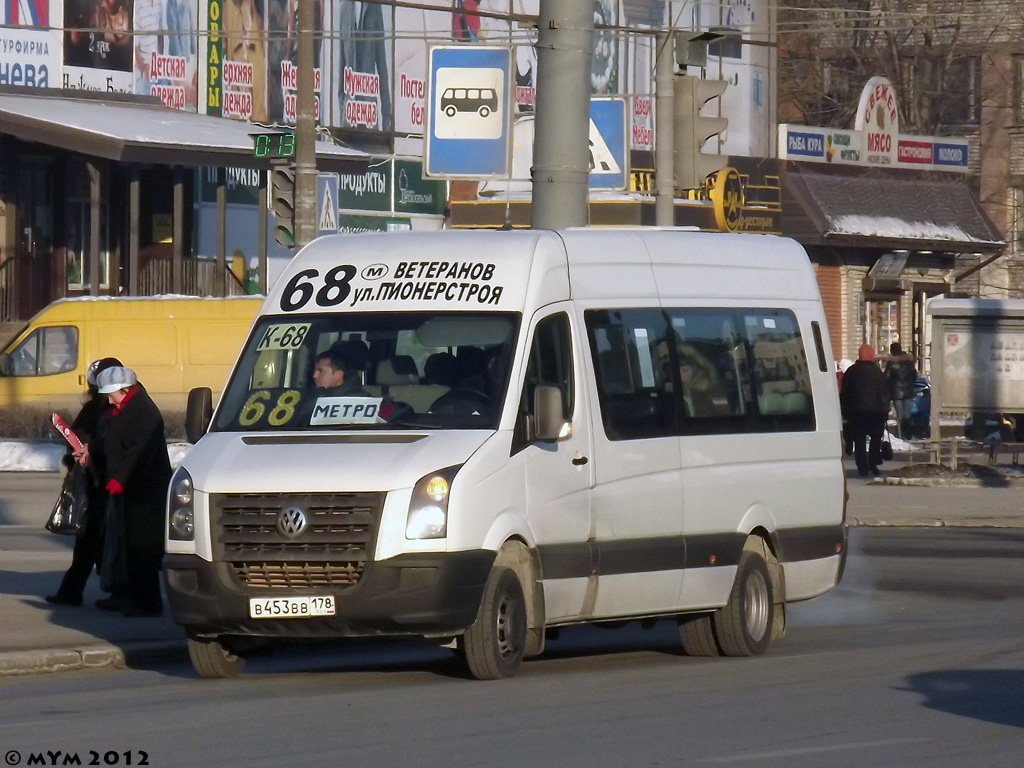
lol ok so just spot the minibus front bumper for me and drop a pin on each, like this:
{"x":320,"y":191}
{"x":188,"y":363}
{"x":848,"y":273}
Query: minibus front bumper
{"x":412,"y":594}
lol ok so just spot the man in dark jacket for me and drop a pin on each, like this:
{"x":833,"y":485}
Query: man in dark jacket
{"x":865,"y":401}
{"x":138,"y":473}
{"x":900,"y":376}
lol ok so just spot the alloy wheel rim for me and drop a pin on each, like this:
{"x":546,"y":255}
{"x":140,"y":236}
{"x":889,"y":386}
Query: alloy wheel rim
{"x":756,"y":602}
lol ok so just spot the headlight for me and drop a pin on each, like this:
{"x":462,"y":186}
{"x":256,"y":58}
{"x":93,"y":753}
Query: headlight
{"x":182,"y":489}
{"x":428,"y":509}
{"x":181,"y":511}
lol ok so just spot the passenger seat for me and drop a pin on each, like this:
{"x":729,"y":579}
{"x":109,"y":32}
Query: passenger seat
{"x":399,"y":380}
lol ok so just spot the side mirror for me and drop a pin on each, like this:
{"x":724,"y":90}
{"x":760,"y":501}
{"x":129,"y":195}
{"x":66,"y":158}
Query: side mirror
{"x":548,"y":407}
{"x":6,"y":367}
{"x":198,"y":413}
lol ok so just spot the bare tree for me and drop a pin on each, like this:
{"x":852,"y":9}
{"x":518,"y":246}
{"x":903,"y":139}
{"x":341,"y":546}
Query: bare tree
{"x":928,"y":49}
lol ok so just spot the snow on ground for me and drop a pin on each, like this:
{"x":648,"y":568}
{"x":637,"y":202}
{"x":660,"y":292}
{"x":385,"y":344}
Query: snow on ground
{"x":25,"y":456}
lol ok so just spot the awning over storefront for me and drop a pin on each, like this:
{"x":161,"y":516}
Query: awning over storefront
{"x":141,"y":132}
{"x":885,"y":210}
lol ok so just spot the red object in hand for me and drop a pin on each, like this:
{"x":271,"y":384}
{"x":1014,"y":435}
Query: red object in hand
{"x":61,"y":426}
{"x":114,"y":487}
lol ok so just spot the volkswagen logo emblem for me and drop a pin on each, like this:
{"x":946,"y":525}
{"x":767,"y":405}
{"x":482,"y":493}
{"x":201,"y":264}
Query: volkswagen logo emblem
{"x":291,"y":522}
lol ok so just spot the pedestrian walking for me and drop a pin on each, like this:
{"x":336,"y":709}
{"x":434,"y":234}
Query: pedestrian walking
{"x":865,"y":405}
{"x":138,"y":472}
{"x":900,"y":376}
{"x":89,"y":424}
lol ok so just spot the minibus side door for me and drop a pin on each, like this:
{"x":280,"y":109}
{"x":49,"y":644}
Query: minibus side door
{"x":636,"y":505}
{"x":559,"y":474}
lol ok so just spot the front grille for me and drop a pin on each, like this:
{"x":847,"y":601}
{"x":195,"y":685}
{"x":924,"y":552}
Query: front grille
{"x":332,"y":552}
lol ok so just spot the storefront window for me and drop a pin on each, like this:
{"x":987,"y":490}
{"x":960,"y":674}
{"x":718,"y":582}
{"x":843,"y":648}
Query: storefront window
{"x":79,"y":232}
{"x":882,"y":326}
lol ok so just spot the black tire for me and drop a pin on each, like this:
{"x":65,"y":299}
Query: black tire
{"x":743,"y":627}
{"x":450,"y":111}
{"x":484,"y":111}
{"x":212,"y":660}
{"x":495,"y":642}
{"x":698,"y":636}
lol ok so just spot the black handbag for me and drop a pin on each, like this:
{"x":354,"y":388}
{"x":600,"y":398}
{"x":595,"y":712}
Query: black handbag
{"x":68,"y":515}
{"x":887,"y":453}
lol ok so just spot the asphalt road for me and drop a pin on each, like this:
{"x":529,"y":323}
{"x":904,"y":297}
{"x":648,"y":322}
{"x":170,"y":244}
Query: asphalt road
{"x":915,"y":660}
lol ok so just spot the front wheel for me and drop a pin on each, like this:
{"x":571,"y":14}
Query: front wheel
{"x":495,"y":642}
{"x":743,"y":626}
{"x":212,"y":660}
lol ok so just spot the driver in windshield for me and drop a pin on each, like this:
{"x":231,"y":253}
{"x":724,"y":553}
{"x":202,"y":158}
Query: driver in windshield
{"x":333,"y":376}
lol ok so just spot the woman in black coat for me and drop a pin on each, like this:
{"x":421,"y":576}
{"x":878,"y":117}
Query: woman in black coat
{"x":138,"y":474}
{"x":88,"y":425}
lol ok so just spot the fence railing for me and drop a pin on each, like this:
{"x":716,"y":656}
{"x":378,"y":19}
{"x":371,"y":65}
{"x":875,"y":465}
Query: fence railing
{"x":198,"y":278}
{"x":7,"y":291}
{"x":24,"y":287}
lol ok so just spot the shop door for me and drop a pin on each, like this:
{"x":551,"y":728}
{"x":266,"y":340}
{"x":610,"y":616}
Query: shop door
{"x":922,"y":350}
{"x":882,"y":324}
{"x":34,"y":201}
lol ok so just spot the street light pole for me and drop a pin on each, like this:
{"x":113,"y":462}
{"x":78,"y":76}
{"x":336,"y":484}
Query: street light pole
{"x":305,"y":131}
{"x":664,"y":186}
{"x":561,"y":151}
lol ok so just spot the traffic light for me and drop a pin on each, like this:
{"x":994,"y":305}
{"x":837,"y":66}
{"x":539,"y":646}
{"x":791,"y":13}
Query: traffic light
{"x":692,"y":129}
{"x":282,"y":203}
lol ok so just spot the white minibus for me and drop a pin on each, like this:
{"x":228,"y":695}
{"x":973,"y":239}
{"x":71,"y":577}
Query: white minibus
{"x":524,"y":430}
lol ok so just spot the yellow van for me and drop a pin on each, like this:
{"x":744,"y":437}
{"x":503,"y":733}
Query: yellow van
{"x":173,"y":343}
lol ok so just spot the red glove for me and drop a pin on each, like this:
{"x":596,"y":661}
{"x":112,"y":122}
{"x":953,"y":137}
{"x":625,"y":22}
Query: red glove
{"x":114,"y":487}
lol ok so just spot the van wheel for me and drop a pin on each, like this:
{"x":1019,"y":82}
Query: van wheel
{"x":697,"y":635}
{"x":450,"y":110}
{"x":495,"y":642}
{"x":212,"y":659}
{"x":743,"y":626}
{"x":484,"y":111}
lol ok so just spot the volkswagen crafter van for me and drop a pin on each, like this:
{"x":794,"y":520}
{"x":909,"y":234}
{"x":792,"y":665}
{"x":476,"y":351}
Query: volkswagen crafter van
{"x":549,"y":428}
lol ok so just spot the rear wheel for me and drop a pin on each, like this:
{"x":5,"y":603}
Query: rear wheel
{"x":743,"y":626}
{"x":495,"y":642}
{"x":697,"y":635}
{"x":212,"y":659}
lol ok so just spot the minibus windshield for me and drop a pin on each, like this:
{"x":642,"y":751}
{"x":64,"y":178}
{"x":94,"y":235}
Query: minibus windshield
{"x":415,"y":370}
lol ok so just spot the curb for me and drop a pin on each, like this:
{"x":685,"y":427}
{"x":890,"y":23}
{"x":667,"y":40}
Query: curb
{"x":967,"y":522}
{"x":950,"y":482}
{"x":30,"y":662}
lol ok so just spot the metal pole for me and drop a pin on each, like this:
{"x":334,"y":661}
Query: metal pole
{"x":561,"y":150}
{"x":219,"y":283}
{"x":664,"y":144}
{"x":305,"y":132}
{"x":178,"y":245}
{"x":95,"y":179}
{"x":261,"y":238}
{"x":133,"y":231}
